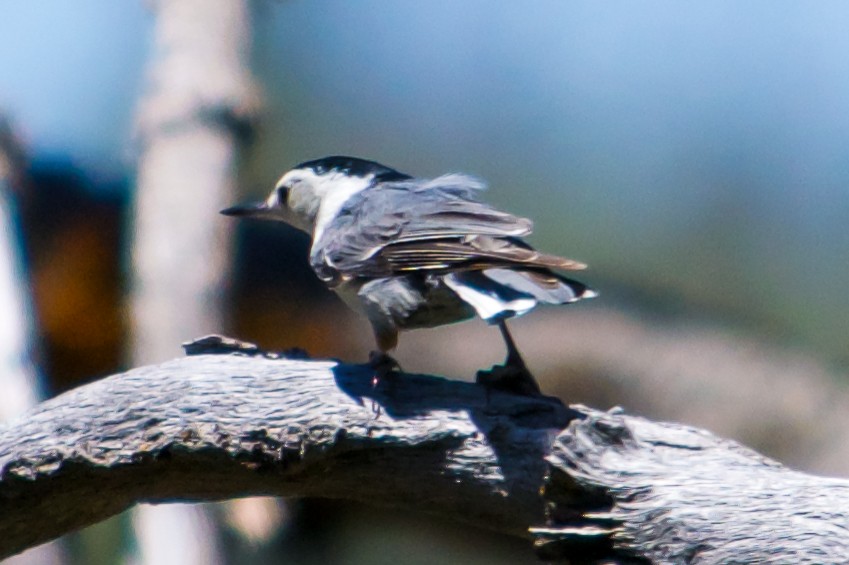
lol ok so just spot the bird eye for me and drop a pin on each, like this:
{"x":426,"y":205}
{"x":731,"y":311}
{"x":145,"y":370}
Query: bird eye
{"x":282,"y":194}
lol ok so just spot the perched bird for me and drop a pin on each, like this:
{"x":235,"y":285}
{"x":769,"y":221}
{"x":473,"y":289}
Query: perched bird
{"x":417,"y":253}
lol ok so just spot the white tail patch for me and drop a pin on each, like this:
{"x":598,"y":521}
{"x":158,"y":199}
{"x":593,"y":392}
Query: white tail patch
{"x":499,"y":293}
{"x":544,"y":287}
{"x":485,"y":298}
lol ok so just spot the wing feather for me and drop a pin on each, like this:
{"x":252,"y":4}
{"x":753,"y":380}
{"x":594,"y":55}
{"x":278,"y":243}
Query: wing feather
{"x":415,"y":224}
{"x":478,"y":252}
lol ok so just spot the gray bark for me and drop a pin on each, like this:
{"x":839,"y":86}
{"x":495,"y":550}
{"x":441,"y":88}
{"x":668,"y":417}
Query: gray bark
{"x":667,"y":493}
{"x":618,"y":488}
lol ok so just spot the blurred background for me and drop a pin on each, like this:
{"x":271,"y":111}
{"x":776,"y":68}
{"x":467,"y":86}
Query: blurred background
{"x":695,"y":155}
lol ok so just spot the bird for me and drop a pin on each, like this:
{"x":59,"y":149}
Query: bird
{"x":418,"y":252}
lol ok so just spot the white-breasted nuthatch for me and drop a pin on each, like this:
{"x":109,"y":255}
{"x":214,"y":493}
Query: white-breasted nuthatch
{"x":416,"y":253}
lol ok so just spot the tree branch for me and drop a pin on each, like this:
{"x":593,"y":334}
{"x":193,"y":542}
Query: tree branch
{"x":622,"y":488}
{"x":211,"y":427}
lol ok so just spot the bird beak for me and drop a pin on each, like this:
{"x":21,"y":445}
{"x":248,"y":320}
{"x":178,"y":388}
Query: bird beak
{"x":252,"y":210}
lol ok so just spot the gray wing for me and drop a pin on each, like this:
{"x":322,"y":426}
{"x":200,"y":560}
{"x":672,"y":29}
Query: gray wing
{"x":413,"y":225}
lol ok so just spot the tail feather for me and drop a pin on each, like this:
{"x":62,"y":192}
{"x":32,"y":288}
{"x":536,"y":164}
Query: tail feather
{"x":545,"y":286}
{"x":497,"y":294}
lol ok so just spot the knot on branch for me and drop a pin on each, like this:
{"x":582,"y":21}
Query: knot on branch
{"x":580,"y":523}
{"x":215,"y":344}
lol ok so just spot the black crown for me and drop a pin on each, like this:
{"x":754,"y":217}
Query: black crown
{"x":354,"y":167}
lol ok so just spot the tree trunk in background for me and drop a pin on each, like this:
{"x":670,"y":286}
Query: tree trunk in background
{"x":192,"y":121}
{"x":20,"y":379}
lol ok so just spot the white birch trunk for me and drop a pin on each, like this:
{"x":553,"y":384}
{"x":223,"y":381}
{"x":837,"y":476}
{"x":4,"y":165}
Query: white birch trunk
{"x":199,"y":97}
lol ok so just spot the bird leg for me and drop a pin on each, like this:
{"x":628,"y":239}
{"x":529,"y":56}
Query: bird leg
{"x":513,"y":375}
{"x":514,"y":358}
{"x":386,"y":337}
{"x":382,"y":363}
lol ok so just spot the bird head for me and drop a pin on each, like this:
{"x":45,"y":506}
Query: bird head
{"x":311,"y":194}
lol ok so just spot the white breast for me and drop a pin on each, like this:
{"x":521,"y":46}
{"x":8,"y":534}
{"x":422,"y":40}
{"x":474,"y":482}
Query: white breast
{"x":334,"y":191}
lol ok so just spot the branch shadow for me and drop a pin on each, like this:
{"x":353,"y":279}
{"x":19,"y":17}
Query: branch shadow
{"x":509,"y":422}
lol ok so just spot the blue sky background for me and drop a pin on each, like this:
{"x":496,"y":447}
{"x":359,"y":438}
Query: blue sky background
{"x":70,"y":74}
{"x":699,"y":150}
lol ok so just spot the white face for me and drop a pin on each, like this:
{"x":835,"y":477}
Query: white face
{"x":294,"y":198}
{"x":314,"y":200}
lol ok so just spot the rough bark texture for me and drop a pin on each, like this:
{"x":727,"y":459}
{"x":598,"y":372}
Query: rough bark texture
{"x":667,"y":493}
{"x":216,"y":426}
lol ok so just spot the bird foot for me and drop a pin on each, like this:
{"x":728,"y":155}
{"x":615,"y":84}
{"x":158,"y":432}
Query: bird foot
{"x":380,"y":361}
{"x":514,"y":378}
{"x":383,"y":366}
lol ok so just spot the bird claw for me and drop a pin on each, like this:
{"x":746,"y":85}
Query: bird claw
{"x":382,"y":363}
{"x":383,"y":366}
